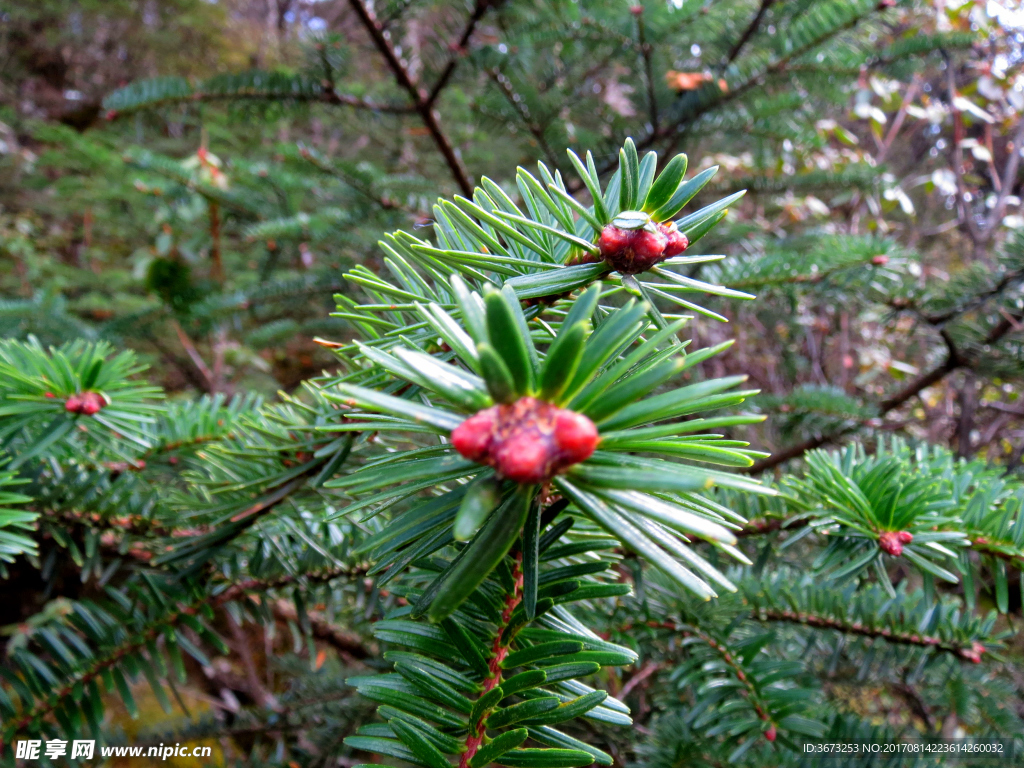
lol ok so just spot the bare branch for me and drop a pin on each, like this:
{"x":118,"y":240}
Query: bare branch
{"x":748,"y":33}
{"x":458,"y":49}
{"x":954,"y":360}
{"x":419,"y":98}
{"x":1008,"y":181}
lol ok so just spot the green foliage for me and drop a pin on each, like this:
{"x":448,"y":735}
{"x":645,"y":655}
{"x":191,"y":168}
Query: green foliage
{"x":489,"y":618}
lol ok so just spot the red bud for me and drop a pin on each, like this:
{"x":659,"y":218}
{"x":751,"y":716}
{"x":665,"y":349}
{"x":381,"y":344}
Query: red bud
{"x":473,"y":436}
{"x":771,"y":733}
{"x":523,"y":459}
{"x":649,"y":247}
{"x":891,"y":542}
{"x":527,"y":441}
{"x":575,"y":435}
{"x":92,"y":403}
{"x":677,"y":241}
{"x":631,"y":251}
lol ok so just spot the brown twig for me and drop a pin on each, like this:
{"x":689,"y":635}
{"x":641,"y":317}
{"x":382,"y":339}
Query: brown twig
{"x":954,"y":360}
{"x":193,"y":355}
{"x":808,"y":619}
{"x":349,"y":645}
{"x":748,"y":32}
{"x":420,"y":99}
{"x":458,"y":49}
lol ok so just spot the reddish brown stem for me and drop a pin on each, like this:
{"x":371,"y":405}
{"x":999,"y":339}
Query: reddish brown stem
{"x":499,"y":650}
{"x":216,"y":265}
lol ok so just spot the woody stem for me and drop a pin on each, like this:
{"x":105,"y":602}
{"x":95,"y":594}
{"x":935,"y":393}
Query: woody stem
{"x":499,"y":650}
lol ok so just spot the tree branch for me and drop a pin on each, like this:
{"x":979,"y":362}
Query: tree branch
{"x":1008,"y":180}
{"x":954,"y":360}
{"x":748,"y":33}
{"x":845,"y":626}
{"x":420,"y":99}
{"x":349,"y":645}
{"x":480,"y":7}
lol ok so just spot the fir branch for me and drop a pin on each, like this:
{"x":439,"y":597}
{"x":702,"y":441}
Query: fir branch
{"x":970,"y":652}
{"x":519,"y":105}
{"x":270,"y":87}
{"x":97,"y":667}
{"x":748,"y":33}
{"x":646,"y":51}
{"x":141,"y":638}
{"x":499,"y":651}
{"x":777,"y":67}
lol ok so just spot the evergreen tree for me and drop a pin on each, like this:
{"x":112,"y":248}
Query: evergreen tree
{"x":518,"y":520}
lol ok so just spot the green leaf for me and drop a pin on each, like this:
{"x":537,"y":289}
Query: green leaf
{"x":485,"y":704}
{"x":633,"y":388}
{"x":472,"y":308}
{"x":687,"y":222}
{"x":648,"y":168}
{"x":556,"y":281}
{"x":667,"y":480}
{"x":490,"y":752}
{"x":545,"y":758}
{"x":570,"y":709}
{"x":434,"y":687}
{"x":545,"y":734}
{"x":389,"y":747}
{"x":470,"y":649}
{"x":480,"y":500}
{"x":582,"y":309}
{"x":562,"y":359}
{"x":452,"y":333}
{"x":524,"y":681}
{"x":524,"y":330}
{"x":354,"y":396}
{"x":669,"y":405}
{"x":593,"y":186}
{"x":629,"y":169}
{"x":524,"y":710}
{"x":630,"y":535}
{"x":697,"y":231}
{"x":506,"y":337}
{"x":671,"y":515}
{"x":666,"y":184}
{"x":531,"y":560}
{"x":419,"y":744}
{"x":461,"y":388}
{"x":500,"y":383}
{"x":683,"y":194}
{"x":480,"y":556}
{"x":536,"y":653}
